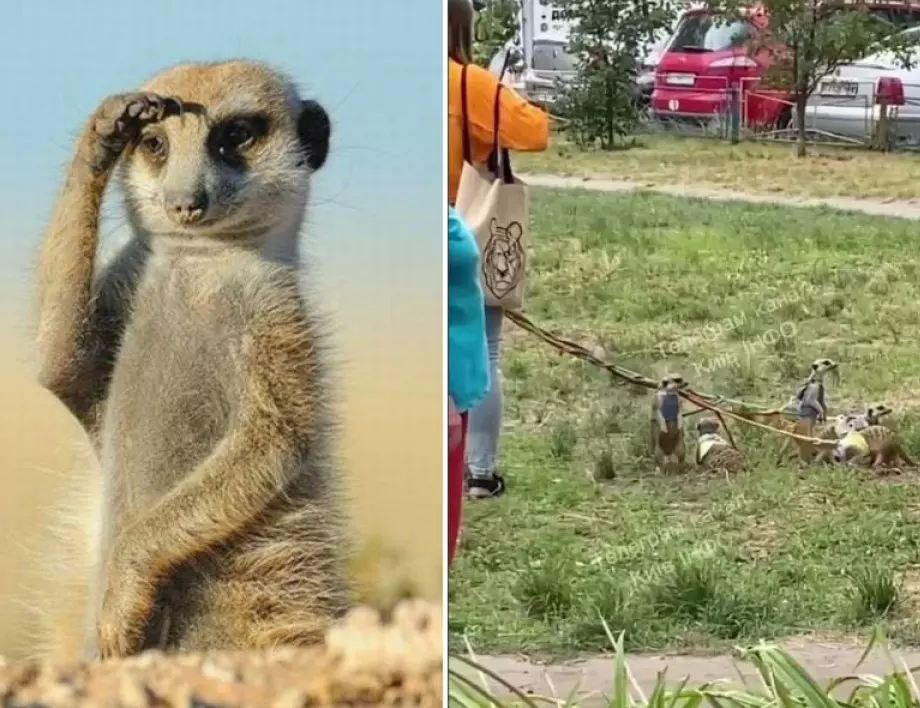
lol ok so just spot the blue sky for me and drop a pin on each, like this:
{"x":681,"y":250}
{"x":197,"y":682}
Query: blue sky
{"x":375,"y":65}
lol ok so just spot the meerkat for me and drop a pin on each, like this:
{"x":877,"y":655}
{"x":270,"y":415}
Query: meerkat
{"x":812,"y":409}
{"x":872,"y":415}
{"x":713,"y":452}
{"x":842,"y":425}
{"x":885,"y":447}
{"x":834,"y":430}
{"x":666,"y":437}
{"x":852,"y":449}
{"x":196,"y":366}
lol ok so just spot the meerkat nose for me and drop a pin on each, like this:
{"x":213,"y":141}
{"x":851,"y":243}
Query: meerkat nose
{"x":187,"y":207}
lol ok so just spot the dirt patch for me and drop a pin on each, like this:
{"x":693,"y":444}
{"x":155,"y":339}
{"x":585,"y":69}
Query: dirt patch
{"x":363,"y":662}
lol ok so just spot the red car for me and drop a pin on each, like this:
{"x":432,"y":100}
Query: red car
{"x":708,"y":58}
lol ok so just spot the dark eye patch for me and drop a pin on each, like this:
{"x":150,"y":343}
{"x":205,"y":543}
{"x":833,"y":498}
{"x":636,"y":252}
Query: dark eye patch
{"x":231,"y":138}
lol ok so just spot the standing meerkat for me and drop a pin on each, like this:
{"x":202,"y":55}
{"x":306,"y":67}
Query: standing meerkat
{"x":196,"y":367}
{"x":666,"y":437}
{"x":812,"y":409}
{"x":713,"y":452}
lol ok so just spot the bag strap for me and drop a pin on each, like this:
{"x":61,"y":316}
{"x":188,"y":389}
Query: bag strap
{"x":500,"y":158}
{"x":464,"y":115}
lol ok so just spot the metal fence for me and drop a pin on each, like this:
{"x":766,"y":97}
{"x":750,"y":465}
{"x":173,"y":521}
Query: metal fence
{"x":750,"y":112}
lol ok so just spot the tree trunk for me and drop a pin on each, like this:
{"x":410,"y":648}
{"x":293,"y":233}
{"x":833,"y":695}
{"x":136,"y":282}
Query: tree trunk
{"x":609,"y":110}
{"x":800,"y":145}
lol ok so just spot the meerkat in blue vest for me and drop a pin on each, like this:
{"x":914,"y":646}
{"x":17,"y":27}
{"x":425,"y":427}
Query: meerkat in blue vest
{"x":667,"y":425}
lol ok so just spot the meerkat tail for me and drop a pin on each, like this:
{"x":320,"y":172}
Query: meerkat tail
{"x":67,"y":572}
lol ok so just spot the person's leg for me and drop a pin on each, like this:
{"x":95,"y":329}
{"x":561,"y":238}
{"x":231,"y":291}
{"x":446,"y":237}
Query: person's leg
{"x":485,"y":424}
{"x":455,"y":491}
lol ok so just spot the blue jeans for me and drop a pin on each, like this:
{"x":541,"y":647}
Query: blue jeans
{"x":485,"y":420}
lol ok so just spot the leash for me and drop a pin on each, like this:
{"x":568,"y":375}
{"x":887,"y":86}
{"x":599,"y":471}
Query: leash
{"x":703,"y":401}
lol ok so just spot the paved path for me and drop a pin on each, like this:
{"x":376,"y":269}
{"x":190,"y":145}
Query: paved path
{"x":905,"y":209}
{"x":822,"y":660}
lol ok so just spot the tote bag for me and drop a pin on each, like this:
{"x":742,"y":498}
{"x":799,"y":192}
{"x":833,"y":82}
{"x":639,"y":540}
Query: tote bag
{"x":496,"y":206}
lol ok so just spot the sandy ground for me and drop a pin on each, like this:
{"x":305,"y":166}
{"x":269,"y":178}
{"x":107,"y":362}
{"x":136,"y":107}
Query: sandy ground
{"x":363,"y":662}
{"x":594,"y":676}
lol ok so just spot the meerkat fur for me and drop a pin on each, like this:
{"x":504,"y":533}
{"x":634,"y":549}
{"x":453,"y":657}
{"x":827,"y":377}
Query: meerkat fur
{"x":811,"y":409}
{"x":63,"y":582}
{"x":666,"y":435}
{"x":886,"y":448}
{"x":713,"y":452}
{"x":843,"y":425}
{"x":196,"y":365}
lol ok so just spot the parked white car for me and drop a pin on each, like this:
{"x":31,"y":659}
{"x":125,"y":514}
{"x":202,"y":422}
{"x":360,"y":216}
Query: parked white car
{"x":552,"y":64}
{"x":847,"y":103}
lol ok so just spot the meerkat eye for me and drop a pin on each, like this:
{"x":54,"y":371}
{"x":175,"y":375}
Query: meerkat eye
{"x":155,"y":145}
{"x":237,"y":136}
{"x":229,"y":139}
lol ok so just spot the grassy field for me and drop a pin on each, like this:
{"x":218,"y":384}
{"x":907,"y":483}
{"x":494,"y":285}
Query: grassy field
{"x":753,"y":167}
{"x":740,"y":299}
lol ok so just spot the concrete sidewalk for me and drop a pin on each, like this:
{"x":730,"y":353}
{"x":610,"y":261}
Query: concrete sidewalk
{"x":823,"y":660}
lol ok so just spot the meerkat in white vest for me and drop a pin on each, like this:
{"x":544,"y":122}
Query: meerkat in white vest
{"x":713,"y":452}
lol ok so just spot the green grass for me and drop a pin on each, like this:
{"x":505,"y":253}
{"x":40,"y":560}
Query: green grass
{"x":764,"y":167}
{"x":695,"y":562}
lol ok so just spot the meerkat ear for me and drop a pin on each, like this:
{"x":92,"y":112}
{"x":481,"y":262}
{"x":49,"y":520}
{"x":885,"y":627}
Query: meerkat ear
{"x":314,"y":128}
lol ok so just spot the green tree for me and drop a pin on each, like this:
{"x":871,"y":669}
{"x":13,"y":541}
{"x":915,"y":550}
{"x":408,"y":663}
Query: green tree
{"x":806,"y":40}
{"x":608,"y":38}
{"x":496,"y":24}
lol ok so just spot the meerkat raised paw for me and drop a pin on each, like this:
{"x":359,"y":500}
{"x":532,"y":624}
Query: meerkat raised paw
{"x":196,"y":365}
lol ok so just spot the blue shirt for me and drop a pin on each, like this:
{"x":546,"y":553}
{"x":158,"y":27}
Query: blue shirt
{"x":467,"y":352}
{"x":670,"y":404}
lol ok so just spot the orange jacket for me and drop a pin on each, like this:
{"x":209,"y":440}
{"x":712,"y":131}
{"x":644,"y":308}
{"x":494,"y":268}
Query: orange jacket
{"x":522,"y":127}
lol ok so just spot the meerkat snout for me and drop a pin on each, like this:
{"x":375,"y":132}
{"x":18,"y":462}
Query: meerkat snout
{"x":185,"y":208}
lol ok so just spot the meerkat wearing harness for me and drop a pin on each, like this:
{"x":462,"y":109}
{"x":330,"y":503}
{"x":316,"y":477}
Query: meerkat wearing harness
{"x":196,"y":366}
{"x":713,"y":452}
{"x":872,"y":415}
{"x":852,"y":448}
{"x":812,"y":409}
{"x":667,"y":424}
{"x":872,"y":443}
{"x":846,"y":424}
